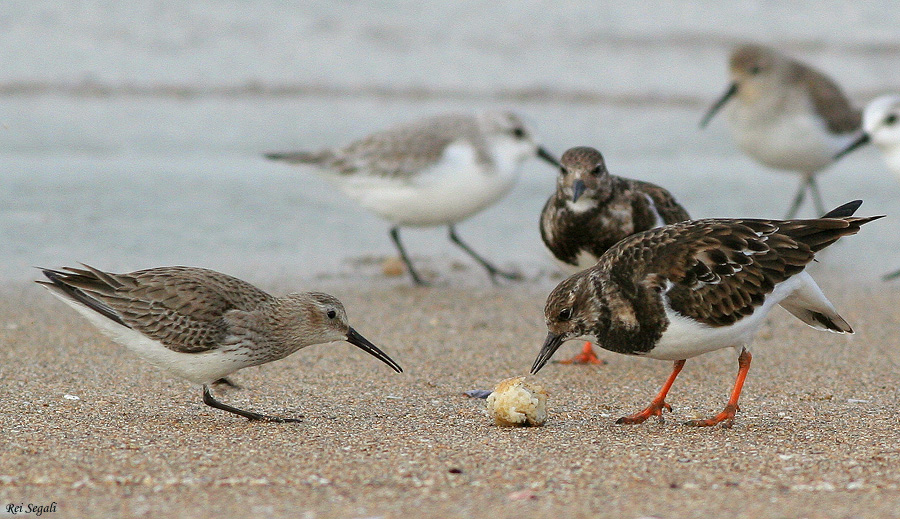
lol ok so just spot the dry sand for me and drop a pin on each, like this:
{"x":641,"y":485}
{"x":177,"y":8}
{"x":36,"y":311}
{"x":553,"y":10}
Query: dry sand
{"x":817,"y":435}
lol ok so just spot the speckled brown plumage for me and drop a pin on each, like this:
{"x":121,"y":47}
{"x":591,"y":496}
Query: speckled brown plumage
{"x":608,"y":209}
{"x":714,"y":271}
{"x":697,"y":286}
{"x":182,"y":307}
{"x":203,"y":325}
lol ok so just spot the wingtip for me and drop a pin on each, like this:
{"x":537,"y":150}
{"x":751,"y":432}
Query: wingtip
{"x":844,"y":210}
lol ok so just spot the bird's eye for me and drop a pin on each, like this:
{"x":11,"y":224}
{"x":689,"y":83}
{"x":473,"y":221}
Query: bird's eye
{"x":565,"y":314}
{"x":597,"y":170}
{"x":562,"y":170}
{"x":331,"y":314}
{"x":890,"y":120}
{"x":754,"y":70}
{"x":518,"y":132}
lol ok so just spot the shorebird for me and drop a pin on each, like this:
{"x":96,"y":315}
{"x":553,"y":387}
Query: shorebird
{"x":689,"y":288}
{"x":203,"y":325}
{"x":431,"y":172}
{"x":787,"y":116}
{"x":592,"y":210}
{"x":881,"y":125}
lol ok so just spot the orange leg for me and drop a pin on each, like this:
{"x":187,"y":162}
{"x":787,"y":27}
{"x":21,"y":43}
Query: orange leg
{"x":587,"y":356}
{"x":726,"y":417}
{"x":659,"y":403}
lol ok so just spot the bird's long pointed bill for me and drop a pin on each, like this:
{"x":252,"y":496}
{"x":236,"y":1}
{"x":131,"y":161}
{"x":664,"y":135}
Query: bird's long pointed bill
{"x":577,"y":190}
{"x":732,"y":89}
{"x":863,"y":139}
{"x":546,"y":155}
{"x":354,"y":338}
{"x":551,"y":344}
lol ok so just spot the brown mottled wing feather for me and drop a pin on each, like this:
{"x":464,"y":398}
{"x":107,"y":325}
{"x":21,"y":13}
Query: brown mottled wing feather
{"x":829,"y":101}
{"x":181,"y":307}
{"x":406,"y":150}
{"x":716,"y":271}
{"x":670,"y":210}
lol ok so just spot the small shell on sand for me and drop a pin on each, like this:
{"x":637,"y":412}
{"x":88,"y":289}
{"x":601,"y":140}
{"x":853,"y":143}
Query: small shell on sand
{"x":517,"y":402}
{"x":393,"y":267}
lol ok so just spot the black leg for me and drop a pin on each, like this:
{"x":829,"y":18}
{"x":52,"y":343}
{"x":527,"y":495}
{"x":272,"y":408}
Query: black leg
{"x":798,"y":200}
{"x":226,"y":382}
{"x":816,"y":195}
{"x":492,"y":270}
{"x":892,"y":275}
{"x":212,"y":402}
{"x":395,"y":235}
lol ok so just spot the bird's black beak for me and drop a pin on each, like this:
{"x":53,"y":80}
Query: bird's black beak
{"x":354,"y":338}
{"x":863,"y":139}
{"x":732,"y":89}
{"x":546,"y":155}
{"x":551,"y":344}
{"x":577,"y":190}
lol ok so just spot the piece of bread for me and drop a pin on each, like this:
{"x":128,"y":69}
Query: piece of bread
{"x":517,"y":402}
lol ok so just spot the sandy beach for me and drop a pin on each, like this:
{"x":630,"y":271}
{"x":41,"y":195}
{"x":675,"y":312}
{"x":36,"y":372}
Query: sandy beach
{"x":132,"y":136}
{"x":816,"y":435}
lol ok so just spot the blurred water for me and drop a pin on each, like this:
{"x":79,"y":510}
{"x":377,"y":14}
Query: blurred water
{"x":131,"y":133}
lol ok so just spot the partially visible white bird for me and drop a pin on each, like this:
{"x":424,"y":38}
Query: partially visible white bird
{"x":881,"y":124}
{"x":434,"y":171}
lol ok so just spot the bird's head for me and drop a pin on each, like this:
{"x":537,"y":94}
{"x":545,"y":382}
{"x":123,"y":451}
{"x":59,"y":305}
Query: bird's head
{"x":316,"y":318}
{"x":583,"y":175}
{"x":571,"y":312}
{"x":509,"y":133}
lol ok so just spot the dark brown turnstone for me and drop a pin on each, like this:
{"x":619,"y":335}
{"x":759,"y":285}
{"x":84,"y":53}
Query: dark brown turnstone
{"x":689,"y":288}
{"x":434,"y":171}
{"x":787,"y":116}
{"x":592,"y":210}
{"x":203,"y":325}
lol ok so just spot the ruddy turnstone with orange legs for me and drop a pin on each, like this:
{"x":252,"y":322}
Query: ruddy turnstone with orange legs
{"x":787,"y":116}
{"x":689,"y":288}
{"x":592,"y":210}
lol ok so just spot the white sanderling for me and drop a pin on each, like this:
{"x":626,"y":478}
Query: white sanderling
{"x":881,"y":124}
{"x":430,"y":172}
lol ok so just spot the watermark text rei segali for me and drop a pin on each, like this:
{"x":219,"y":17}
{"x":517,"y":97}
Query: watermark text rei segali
{"x":30,"y":508}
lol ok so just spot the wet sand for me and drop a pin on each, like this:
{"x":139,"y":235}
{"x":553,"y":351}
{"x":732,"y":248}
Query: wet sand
{"x":817,"y":435}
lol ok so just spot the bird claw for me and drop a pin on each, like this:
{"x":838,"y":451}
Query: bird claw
{"x":583,"y":358}
{"x":587,"y":356}
{"x":275,"y":419}
{"x":512,"y":276}
{"x":726,"y":418}
{"x":654,"y":409}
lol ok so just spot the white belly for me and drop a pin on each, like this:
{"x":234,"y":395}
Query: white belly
{"x":892,"y":158}
{"x":200,"y":368}
{"x":793,"y":141}
{"x":685,"y":338}
{"x":455,"y":188}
